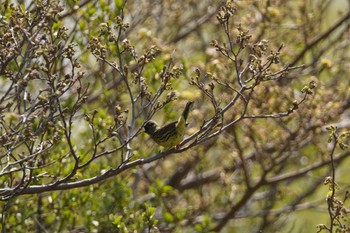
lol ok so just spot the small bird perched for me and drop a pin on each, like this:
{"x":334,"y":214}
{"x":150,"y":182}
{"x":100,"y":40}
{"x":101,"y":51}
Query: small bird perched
{"x":170,"y":134}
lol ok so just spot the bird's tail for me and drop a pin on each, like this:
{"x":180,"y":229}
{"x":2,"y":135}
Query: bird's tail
{"x":181,"y":123}
{"x":187,"y":110}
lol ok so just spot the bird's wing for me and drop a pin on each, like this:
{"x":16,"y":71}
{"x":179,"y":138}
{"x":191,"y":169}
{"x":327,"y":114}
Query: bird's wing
{"x":165,"y":132}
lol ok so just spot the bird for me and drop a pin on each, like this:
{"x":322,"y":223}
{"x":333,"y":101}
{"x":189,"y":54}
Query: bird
{"x":170,"y":134}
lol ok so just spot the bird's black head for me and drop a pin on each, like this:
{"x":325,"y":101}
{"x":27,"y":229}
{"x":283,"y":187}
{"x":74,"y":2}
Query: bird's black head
{"x":150,"y":127}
